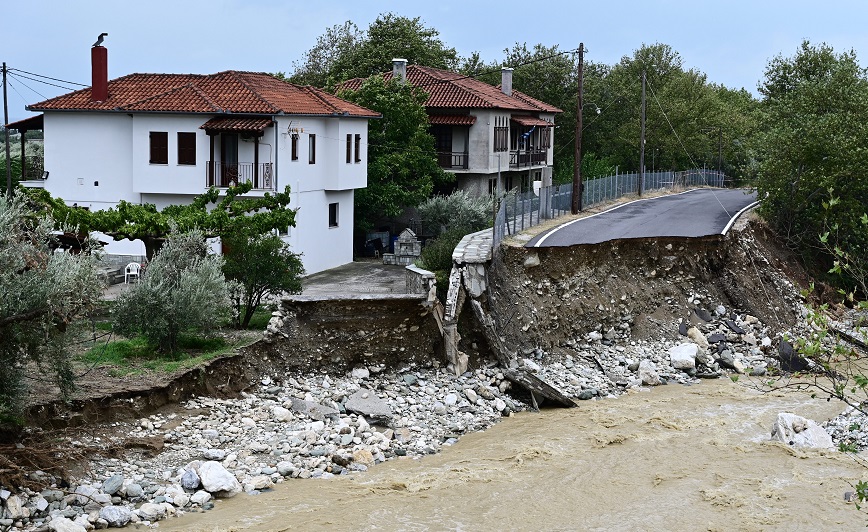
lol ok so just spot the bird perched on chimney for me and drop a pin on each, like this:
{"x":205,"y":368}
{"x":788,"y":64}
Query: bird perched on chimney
{"x":99,"y":39}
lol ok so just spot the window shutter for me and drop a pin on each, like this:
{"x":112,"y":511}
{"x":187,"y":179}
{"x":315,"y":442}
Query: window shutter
{"x":187,"y":148}
{"x":159,"y":147}
{"x":349,"y":147}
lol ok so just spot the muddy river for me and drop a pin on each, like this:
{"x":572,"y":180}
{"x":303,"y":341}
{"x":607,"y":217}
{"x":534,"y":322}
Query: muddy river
{"x":674,"y":458}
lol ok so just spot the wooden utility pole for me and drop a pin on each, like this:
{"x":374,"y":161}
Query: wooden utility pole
{"x":6,"y":133}
{"x":577,"y":164}
{"x":642,"y":141}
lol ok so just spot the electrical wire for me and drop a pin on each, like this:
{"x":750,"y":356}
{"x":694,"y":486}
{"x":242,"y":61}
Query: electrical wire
{"x":13,"y":76}
{"x":17,"y":91}
{"x":48,"y":77}
{"x":40,"y":81}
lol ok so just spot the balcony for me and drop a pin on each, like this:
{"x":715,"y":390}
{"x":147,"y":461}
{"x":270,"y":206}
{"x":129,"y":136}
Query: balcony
{"x":223,"y":175}
{"x":34,"y":166}
{"x":525,"y":158}
{"x":452,"y":160}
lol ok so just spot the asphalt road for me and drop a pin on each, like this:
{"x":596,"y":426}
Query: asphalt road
{"x":696,"y":213}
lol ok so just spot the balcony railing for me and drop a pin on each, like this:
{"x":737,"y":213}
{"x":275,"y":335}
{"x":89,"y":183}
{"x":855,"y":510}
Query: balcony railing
{"x":34,"y":166}
{"x":452,"y":159}
{"x":533,"y":157}
{"x":228,"y":174}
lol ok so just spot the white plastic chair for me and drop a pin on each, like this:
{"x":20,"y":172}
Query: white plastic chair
{"x":132,"y":270}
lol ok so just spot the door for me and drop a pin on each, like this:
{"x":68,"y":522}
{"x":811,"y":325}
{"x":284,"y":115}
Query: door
{"x":228,"y":159}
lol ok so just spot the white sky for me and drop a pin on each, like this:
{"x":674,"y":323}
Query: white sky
{"x":731,"y":41}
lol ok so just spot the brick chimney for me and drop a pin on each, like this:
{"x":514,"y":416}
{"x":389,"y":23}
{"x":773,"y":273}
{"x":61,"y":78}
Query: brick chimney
{"x":506,"y":80}
{"x":99,"y":74}
{"x":399,"y":69}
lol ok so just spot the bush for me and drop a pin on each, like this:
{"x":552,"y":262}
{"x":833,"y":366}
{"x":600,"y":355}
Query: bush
{"x":182,"y":291}
{"x":41,"y":293}
{"x":458,"y":209}
{"x":437,"y":253}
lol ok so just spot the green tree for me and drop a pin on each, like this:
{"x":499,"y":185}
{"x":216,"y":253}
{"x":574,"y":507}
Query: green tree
{"x":815,"y":123}
{"x":261,"y":265}
{"x":459,"y":209}
{"x":402,"y":161}
{"x":41,"y":293}
{"x":344,"y":52}
{"x":183,"y":290}
{"x":215,"y":216}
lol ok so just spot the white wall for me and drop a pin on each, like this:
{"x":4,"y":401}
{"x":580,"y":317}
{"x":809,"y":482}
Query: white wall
{"x":323,"y":247}
{"x":89,"y":158}
{"x":170,"y":178}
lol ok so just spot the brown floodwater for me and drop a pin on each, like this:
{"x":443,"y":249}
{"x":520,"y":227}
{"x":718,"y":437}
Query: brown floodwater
{"x":673,"y":458}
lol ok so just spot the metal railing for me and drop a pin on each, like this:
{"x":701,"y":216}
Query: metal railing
{"x":452,"y":159}
{"x":228,"y":174}
{"x":521,"y":210}
{"x":533,"y":157}
{"x":34,"y":166}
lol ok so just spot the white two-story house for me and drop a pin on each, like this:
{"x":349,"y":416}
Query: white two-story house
{"x":481,"y":131}
{"x":164,"y":138}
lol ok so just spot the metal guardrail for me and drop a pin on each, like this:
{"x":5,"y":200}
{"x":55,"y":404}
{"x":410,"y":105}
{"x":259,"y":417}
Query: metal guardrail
{"x":521,"y":210}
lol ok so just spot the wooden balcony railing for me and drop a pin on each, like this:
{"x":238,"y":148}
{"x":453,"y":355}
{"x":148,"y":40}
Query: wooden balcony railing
{"x":532,"y":157}
{"x":228,"y":174}
{"x":452,"y":159}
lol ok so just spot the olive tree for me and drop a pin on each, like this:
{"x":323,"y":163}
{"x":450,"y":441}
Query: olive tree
{"x":41,"y":293}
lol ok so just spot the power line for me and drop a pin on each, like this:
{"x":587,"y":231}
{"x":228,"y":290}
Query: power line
{"x":48,"y":77}
{"x":19,"y":93}
{"x":28,"y":86}
{"x":40,"y":81}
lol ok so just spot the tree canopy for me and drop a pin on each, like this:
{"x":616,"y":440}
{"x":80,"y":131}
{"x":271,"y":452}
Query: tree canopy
{"x":344,"y":52}
{"x":813,"y":149}
{"x":231,"y":214}
{"x":402,"y":161}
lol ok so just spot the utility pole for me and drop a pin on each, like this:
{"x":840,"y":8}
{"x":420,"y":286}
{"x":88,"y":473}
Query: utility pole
{"x":577,"y":163}
{"x":642,"y":141}
{"x":6,"y":133}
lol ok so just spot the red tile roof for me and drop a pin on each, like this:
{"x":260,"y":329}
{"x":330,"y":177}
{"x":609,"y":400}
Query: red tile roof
{"x":229,"y":91}
{"x":236,"y":124}
{"x":450,"y":90}
{"x":452,"y":120}
{"x":530,"y":121}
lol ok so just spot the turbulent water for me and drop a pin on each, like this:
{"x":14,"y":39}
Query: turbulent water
{"x":674,"y":458}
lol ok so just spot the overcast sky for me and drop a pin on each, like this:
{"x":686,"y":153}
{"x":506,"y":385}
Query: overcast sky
{"x":730,"y":41}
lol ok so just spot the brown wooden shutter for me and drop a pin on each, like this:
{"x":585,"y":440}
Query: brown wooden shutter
{"x":349,"y":147}
{"x":187,"y":148}
{"x":358,"y":148}
{"x":159,"y":147}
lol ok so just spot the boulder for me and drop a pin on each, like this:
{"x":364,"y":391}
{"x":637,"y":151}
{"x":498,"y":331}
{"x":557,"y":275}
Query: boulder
{"x":800,"y":432}
{"x":62,"y":524}
{"x":311,"y":409}
{"x":697,"y":337}
{"x":791,"y":361}
{"x":151,"y":511}
{"x":217,"y":480}
{"x":200,"y":497}
{"x":360,"y":372}
{"x":648,"y":373}
{"x":14,"y":507}
{"x":116,"y":516}
{"x":683,"y":356}
{"x":214,"y":454}
{"x":366,"y":403}
{"x":113,"y":484}
{"x":281,"y":414}
{"x":190,"y":480}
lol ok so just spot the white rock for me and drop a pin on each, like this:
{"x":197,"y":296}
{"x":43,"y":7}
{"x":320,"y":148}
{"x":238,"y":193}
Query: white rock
{"x":217,"y":480}
{"x":281,"y":414}
{"x":214,"y":454}
{"x":471,"y":396}
{"x":200,"y":497}
{"x":360,"y":373}
{"x":41,"y":504}
{"x":181,"y":500}
{"x":260,"y":482}
{"x":15,"y":507}
{"x":451,"y":399}
{"x":62,"y":524}
{"x":85,"y":494}
{"x":531,"y":365}
{"x":697,"y":337}
{"x":683,"y":356}
{"x":594,"y":336}
{"x":499,"y":404}
{"x":720,"y":310}
{"x":151,"y":512}
{"x":116,"y":516}
{"x":800,"y":432}
{"x":766,"y":341}
{"x":648,"y":373}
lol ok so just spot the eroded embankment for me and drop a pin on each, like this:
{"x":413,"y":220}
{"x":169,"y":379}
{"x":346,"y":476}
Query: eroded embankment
{"x":547,"y":298}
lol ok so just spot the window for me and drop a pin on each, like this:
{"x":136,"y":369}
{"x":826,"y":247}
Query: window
{"x":358,"y":148}
{"x":349,"y":147}
{"x":187,"y":148}
{"x":295,"y":146}
{"x":546,"y":138}
{"x":311,"y":149}
{"x":333,"y":214}
{"x":492,"y":186}
{"x":159,"y":147}
{"x":501,"y":133}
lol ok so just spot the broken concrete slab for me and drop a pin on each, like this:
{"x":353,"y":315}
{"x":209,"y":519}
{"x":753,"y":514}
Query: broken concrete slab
{"x":366,"y":403}
{"x":314,"y":410}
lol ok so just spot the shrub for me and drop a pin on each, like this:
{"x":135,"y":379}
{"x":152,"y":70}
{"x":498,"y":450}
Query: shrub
{"x":182,"y":291}
{"x":458,"y":209}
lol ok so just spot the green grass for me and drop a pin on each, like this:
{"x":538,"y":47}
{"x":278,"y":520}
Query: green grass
{"x":259,"y":320}
{"x":133,"y":357}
